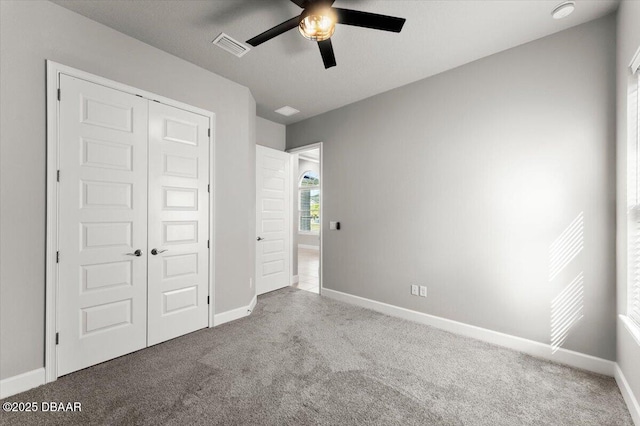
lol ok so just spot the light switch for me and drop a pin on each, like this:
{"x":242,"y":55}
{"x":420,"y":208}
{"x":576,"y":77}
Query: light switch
{"x":334,"y":226}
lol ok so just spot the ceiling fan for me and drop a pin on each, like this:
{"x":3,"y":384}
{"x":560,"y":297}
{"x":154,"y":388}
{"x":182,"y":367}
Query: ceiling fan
{"x":318,"y":20}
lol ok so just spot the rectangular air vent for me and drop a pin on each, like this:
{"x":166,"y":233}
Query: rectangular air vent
{"x":232,"y":46}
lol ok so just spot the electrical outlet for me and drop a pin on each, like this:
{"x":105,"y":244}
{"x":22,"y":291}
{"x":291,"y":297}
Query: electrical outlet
{"x":414,"y":290}
{"x":423,"y":291}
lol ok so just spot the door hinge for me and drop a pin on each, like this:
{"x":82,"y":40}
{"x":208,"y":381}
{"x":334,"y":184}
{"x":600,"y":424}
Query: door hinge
{"x":58,"y":176}
{"x":208,"y":188}
{"x":208,"y":243}
{"x":58,"y":94}
{"x":57,"y":338}
{"x":208,"y":299}
{"x":57,"y":257}
{"x":209,"y":132}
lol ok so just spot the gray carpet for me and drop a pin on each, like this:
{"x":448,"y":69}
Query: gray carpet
{"x":300,"y":359}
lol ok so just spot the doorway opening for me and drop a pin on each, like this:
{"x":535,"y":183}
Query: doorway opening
{"x":307,"y":230}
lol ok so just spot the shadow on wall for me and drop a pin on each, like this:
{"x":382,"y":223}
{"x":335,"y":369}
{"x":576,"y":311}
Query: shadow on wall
{"x":566,"y":307}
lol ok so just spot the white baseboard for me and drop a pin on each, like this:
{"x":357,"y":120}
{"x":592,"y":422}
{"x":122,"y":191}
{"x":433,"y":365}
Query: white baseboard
{"x":530,"y":347}
{"x":295,"y":279}
{"x":307,"y":246}
{"x":627,"y":394}
{"x":22,"y":382}
{"x":234,"y":314}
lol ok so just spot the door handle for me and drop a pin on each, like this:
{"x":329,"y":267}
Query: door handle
{"x":156,"y":251}
{"x":136,"y":253}
{"x":259,"y":239}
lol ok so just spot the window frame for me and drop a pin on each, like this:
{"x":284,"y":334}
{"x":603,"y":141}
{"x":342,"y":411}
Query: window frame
{"x":631,"y":317}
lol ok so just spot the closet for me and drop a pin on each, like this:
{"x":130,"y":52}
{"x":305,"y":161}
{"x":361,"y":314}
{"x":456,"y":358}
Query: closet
{"x":132,"y":223}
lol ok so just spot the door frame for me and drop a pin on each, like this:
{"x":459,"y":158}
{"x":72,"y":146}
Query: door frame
{"x":294,"y":201}
{"x":53,"y":71}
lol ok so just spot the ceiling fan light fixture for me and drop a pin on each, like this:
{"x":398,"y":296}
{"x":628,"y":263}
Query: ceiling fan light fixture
{"x":318,"y":20}
{"x":318,"y":25}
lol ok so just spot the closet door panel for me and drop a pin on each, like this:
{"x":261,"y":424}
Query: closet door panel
{"x":178,"y":222}
{"x":102,"y":284}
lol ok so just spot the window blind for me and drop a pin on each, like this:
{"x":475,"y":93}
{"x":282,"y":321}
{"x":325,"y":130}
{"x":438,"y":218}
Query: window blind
{"x":633,"y":299}
{"x":633,"y":311}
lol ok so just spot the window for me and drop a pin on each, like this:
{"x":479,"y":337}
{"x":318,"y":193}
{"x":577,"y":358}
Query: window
{"x":633,"y":231}
{"x":309,"y":202}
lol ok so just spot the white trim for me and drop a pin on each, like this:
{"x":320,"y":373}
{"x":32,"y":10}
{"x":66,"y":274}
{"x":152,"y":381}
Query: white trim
{"x":51,"y":271}
{"x":234,"y":314}
{"x":310,"y":160}
{"x":22,"y":382}
{"x":635,"y":62}
{"x":306,"y":148}
{"x":537,"y":349}
{"x":54,"y":70}
{"x":631,"y":327}
{"x":212,"y":221}
{"x":295,"y":279}
{"x":627,"y":394}
{"x":307,"y":246}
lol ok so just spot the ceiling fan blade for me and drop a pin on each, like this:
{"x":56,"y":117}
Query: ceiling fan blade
{"x":326,"y":50}
{"x":304,"y":3}
{"x":275,"y":31}
{"x":369,"y":20}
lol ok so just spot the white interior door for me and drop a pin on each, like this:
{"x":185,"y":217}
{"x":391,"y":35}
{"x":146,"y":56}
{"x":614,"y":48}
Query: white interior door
{"x":178,"y":222}
{"x":273,"y":219}
{"x":102,"y":285}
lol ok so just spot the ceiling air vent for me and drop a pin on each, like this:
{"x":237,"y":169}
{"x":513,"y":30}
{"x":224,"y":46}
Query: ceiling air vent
{"x":232,"y":46}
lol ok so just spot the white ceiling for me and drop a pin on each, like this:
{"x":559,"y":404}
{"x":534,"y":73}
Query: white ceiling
{"x":288,"y":70}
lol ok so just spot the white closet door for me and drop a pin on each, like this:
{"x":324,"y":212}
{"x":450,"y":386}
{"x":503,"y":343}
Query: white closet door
{"x":178,"y":222}
{"x":102,"y":290}
{"x":273,"y":219}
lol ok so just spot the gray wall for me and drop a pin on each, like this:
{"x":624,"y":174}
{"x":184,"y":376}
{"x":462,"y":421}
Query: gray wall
{"x":32,"y":31}
{"x":270,"y":134}
{"x":628,"y":42}
{"x":462,"y":181}
{"x":309,"y":239}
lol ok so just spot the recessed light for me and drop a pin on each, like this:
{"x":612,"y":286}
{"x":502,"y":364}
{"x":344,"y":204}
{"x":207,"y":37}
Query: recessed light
{"x":287,"y":111}
{"x":563,"y":10}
